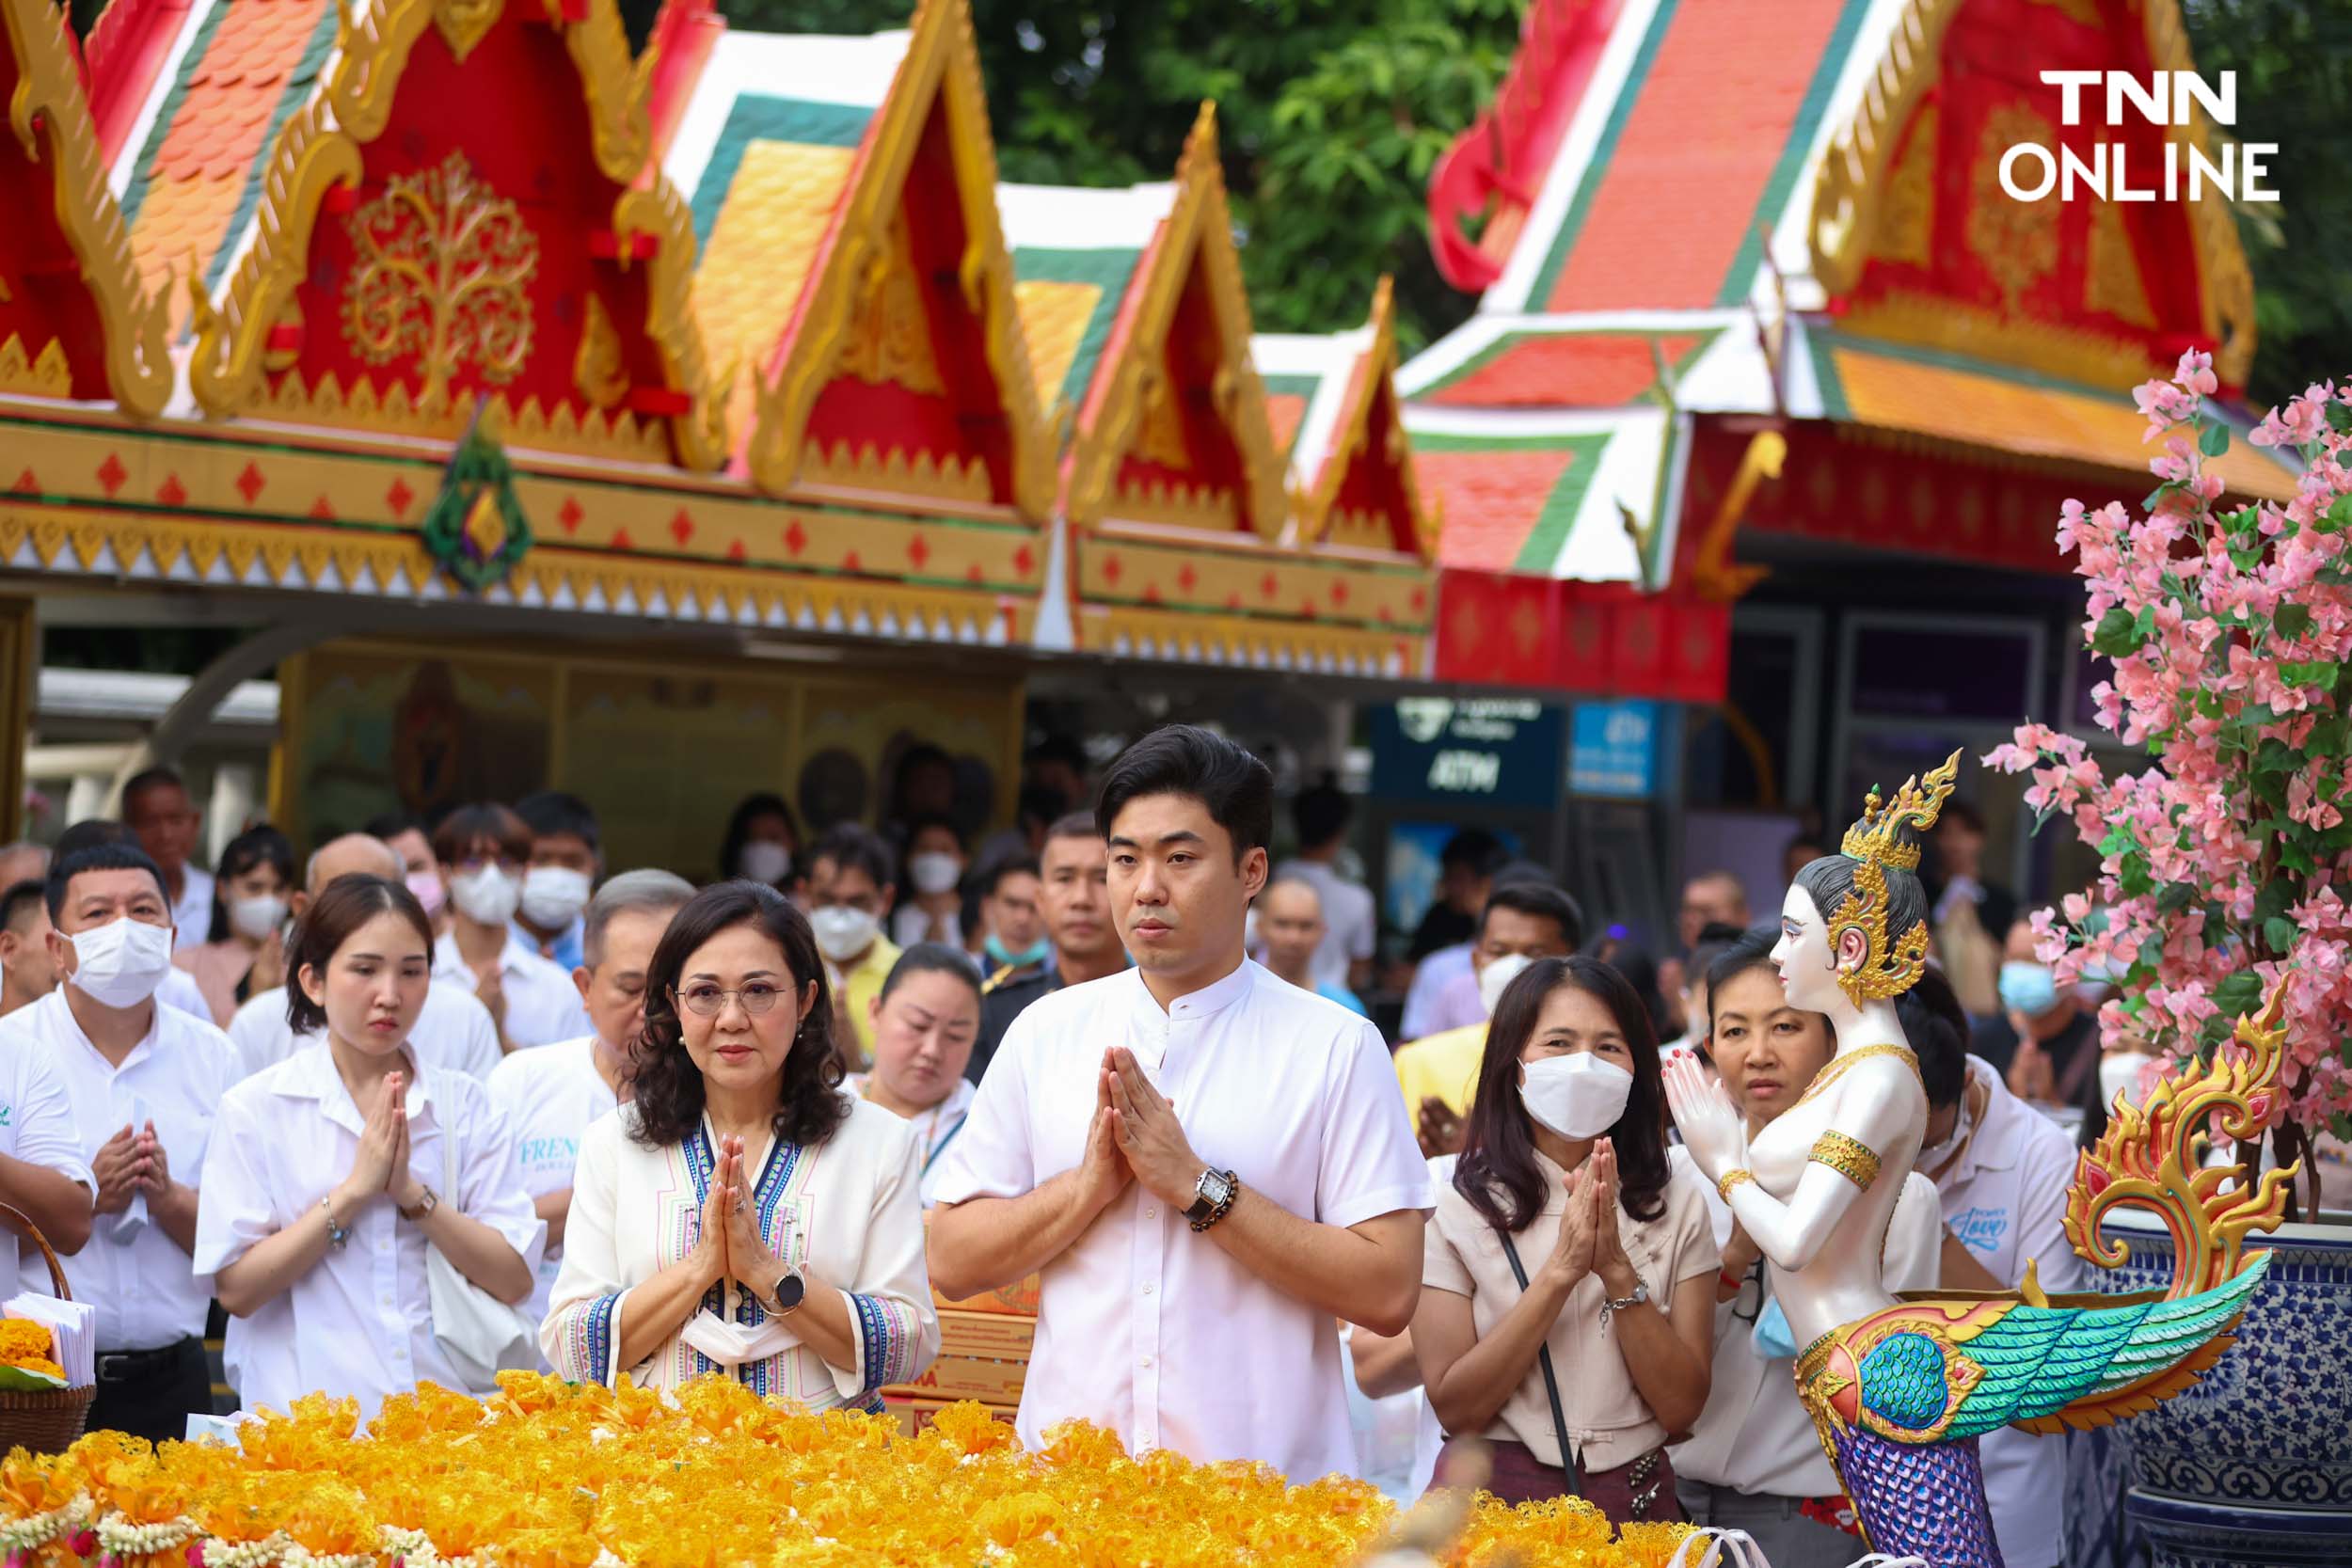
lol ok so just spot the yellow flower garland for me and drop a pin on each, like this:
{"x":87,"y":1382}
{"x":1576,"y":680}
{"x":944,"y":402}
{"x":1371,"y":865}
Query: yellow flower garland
{"x":548,"y":1475}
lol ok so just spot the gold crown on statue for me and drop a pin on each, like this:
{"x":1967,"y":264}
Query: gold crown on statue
{"x":1877,"y":837}
{"x":1892,"y":964}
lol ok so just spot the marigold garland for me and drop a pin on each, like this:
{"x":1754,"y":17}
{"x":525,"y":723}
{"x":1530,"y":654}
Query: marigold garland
{"x":547,"y":1475}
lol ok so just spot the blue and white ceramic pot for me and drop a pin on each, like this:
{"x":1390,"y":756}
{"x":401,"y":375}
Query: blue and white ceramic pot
{"x":2252,"y":1465}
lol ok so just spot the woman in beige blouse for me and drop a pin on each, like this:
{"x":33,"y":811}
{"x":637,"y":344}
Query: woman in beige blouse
{"x":1566,"y":1230}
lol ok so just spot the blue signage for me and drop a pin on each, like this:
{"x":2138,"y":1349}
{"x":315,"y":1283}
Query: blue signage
{"x":1486,"y":752}
{"x":1613,"y":749}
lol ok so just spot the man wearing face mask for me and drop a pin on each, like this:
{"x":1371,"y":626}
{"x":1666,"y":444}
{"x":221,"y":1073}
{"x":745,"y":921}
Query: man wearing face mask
{"x":851,"y":883}
{"x":550,"y":1095}
{"x":566,"y":856}
{"x":482,"y":849}
{"x":1523,"y":921}
{"x":2046,"y":1042}
{"x":140,"y":1080}
{"x":454,"y":1030}
{"x":27,"y":973}
{"x":1013,"y":917}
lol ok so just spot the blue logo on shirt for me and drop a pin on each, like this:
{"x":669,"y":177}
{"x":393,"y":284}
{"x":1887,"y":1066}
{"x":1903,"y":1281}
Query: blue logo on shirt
{"x":1981,"y":1230}
{"x":549,"y":1151}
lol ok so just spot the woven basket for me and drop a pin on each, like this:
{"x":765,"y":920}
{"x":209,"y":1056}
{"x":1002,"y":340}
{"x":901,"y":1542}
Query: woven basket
{"x":50,"y":1421}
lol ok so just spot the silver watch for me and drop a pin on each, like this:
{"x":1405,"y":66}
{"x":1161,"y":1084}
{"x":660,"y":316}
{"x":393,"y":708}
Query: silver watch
{"x":1213,"y":1189}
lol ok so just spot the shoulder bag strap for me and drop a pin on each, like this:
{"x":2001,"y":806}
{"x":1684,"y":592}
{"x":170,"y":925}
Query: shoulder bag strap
{"x":1551,"y":1382}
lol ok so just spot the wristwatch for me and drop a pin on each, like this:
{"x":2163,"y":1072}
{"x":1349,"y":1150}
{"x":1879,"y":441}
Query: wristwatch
{"x":788,"y":1291}
{"x":425,"y":1204}
{"x":1213,"y":1195}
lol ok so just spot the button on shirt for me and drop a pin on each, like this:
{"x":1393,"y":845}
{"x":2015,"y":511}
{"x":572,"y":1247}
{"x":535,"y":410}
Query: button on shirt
{"x":543,"y":1005}
{"x":360,"y":1323}
{"x":549,"y":1096}
{"x":146,"y":1292}
{"x":1144,"y":1327}
{"x":36,"y":1126}
{"x":454,"y":1030}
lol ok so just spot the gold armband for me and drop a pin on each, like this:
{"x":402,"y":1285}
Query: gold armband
{"x":1848,"y":1157}
{"x":1733,"y":1178}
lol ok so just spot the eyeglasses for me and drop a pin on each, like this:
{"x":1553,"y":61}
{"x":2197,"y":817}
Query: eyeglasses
{"x":1753,"y":1302}
{"x":709,"y":1001}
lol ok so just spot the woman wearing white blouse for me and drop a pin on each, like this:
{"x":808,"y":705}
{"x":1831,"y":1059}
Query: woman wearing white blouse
{"x":925,"y":1021}
{"x":741,"y":1214}
{"x":319,"y":1189}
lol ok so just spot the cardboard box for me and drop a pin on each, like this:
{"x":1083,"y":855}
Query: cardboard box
{"x":966,"y":1377}
{"x":990,"y":1336}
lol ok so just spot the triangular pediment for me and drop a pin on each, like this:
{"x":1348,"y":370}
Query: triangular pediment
{"x":903,"y":373}
{"x":465,"y":216}
{"x":1916,"y":239}
{"x":1176,"y":432}
{"x":75,"y":322}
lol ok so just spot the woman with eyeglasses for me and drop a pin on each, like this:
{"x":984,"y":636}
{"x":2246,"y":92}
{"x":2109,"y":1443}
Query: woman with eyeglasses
{"x":741,"y":1214}
{"x":1567,"y":1274}
{"x":1751,"y":1461}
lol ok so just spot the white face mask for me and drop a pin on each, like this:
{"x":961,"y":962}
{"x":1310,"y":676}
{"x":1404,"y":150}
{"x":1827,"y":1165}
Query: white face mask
{"x":1496,"y":978}
{"x":553,"y":896}
{"x":764,"y":859}
{"x":256,"y":918}
{"x":487,"y":895}
{"x":934,"y":871}
{"x":842,"y":932}
{"x":120,"y":963}
{"x":1577,"y":1097}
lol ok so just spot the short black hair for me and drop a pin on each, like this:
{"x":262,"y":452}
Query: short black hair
{"x":1321,"y":813}
{"x":1938,"y":1027}
{"x":1538,"y":901}
{"x":485,"y":822}
{"x":151,"y":778}
{"x":1077,"y":824}
{"x":551,"y":812}
{"x":1474,"y":849}
{"x":992,"y":875}
{"x":91,"y":833}
{"x":1752,"y":949}
{"x":98,"y":856}
{"x":1717,"y":933}
{"x":1061,"y":749}
{"x":850,"y":846}
{"x":19,"y":897}
{"x":931,"y":958}
{"x":389,"y":825}
{"x":1185,"y":759}
{"x":933,"y":819}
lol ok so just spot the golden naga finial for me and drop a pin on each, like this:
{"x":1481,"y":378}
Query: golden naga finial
{"x":1875,"y":838}
{"x":2149,"y":1158}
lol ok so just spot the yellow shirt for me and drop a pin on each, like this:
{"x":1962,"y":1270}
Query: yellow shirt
{"x":1444,"y":1065}
{"x":860,"y":984}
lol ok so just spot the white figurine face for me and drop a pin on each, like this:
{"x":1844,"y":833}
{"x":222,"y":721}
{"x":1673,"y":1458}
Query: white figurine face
{"x":1808,"y":970}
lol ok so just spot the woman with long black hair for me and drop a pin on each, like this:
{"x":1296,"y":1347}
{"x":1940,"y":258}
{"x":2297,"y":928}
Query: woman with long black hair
{"x":1569,"y":1282}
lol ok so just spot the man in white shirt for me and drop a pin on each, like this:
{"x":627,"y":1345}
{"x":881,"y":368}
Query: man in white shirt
{"x":2001,"y":1171}
{"x":550,"y":1096}
{"x":141,"y":1081}
{"x":1350,"y":922}
{"x":454,"y":1030}
{"x":156,"y":806}
{"x":1192,"y":1267}
{"x":483,"y":850}
{"x":27,"y":973}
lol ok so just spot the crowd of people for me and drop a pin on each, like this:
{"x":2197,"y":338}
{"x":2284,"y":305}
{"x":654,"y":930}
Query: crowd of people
{"x":445,"y":1098}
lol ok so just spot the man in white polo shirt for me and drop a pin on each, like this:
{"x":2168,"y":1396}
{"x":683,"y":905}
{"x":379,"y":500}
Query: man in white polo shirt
{"x":142,"y":1080}
{"x":550,"y":1095}
{"x":454,"y":1030}
{"x":1206,"y":1166}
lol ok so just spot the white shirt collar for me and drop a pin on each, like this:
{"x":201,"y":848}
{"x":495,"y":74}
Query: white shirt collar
{"x":447,"y":959}
{"x":1209,"y":1000}
{"x":70,"y":1027}
{"x":312,"y":1075}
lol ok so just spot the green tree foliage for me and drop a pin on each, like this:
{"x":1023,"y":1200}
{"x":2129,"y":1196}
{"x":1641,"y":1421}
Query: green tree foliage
{"x":1330,"y":115}
{"x":2293,"y":60}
